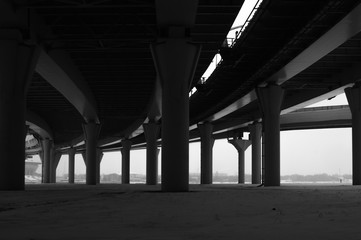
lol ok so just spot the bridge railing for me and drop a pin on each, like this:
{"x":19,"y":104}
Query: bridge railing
{"x":228,"y":42}
{"x":248,"y":20}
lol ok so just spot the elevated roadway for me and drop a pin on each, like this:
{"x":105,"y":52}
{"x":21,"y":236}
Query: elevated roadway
{"x":105,"y":75}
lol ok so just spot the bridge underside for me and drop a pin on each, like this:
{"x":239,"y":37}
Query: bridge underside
{"x":93,"y":76}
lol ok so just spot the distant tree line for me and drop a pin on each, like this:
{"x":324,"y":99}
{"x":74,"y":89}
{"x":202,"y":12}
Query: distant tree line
{"x":194,"y":178}
{"x":323,"y":177}
{"x":113,"y":177}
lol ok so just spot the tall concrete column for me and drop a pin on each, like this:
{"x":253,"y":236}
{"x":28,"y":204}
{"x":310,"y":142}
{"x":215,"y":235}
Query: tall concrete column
{"x":175,"y":59}
{"x":255,"y":137}
{"x":354,"y":101}
{"x":54,"y":162}
{"x":241,"y":145}
{"x":99,"y":160}
{"x":91,"y":133}
{"x":270,"y":99}
{"x":126,"y":145}
{"x":17,"y":62}
{"x":151,"y":131}
{"x":71,"y":170}
{"x":207,"y":142}
{"x":263,"y":157}
{"x":46,"y":145}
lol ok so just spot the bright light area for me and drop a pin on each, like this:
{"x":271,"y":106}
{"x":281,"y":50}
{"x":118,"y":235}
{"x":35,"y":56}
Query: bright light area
{"x":138,"y":165}
{"x":336,"y":101}
{"x":316,"y":151}
{"x":63,"y":166}
{"x":111,"y":163}
{"x":79,"y":164}
{"x":225,"y":158}
{"x":244,"y":16}
{"x":216,"y":59}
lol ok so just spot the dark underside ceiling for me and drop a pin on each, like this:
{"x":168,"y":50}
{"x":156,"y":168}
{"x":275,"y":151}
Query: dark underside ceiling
{"x":109,"y":43}
{"x":59,"y":113}
{"x":279,"y":31}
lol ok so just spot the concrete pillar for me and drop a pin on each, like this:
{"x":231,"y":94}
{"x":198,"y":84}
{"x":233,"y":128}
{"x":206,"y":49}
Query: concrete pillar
{"x":126,"y":145}
{"x":17,"y":62}
{"x":255,"y":136}
{"x":54,"y":162}
{"x":175,"y":59}
{"x":158,"y":150}
{"x":151,"y":131}
{"x":354,"y":101}
{"x":26,"y":129}
{"x":263,"y":157}
{"x":71,"y":171}
{"x":91,"y":132}
{"x":241,"y":145}
{"x":99,"y":160}
{"x":207,"y":142}
{"x":270,"y":99}
{"x":41,"y":156}
{"x":46,"y":145}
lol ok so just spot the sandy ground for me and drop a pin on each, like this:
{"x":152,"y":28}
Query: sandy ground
{"x":206,"y":212}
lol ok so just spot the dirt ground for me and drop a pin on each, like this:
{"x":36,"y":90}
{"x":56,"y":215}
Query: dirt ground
{"x":63,"y":211}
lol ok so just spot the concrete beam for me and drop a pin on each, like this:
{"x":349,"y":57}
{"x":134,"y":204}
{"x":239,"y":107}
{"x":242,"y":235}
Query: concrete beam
{"x":154,"y":114}
{"x":317,"y":117}
{"x":38,"y":125}
{"x":345,"y":29}
{"x":176,"y":13}
{"x":155,"y":108}
{"x":58,"y":69}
